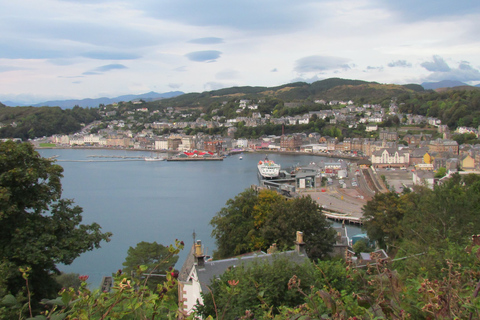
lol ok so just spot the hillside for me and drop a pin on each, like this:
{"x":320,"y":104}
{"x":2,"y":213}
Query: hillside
{"x":329,"y":89}
{"x":32,"y":122}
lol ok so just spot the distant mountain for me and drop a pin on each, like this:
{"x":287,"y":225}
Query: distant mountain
{"x":67,"y":104}
{"x":442,"y":84}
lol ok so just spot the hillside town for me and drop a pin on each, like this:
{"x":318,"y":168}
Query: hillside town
{"x":393,"y":147}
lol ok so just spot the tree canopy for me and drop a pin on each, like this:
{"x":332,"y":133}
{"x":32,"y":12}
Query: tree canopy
{"x":156,"y":258}
{"x":255,"y":220}
{"x":38,"y":229}
{"x":426,"y":221}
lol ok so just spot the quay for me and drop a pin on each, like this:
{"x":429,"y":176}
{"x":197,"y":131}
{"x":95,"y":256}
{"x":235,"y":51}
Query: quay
{"x":111,"y":160}
{"x":195,"y":159}
{"x":117,"y":157}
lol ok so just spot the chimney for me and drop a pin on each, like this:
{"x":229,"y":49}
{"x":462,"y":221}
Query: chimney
{"x":272,"y":249}
{"x":299,"y":244}
{"x":199,"y":257}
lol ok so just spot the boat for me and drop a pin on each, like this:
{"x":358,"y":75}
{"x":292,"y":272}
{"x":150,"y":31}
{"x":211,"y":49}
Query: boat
{"x":154,"y":158}
{"x":240,"y":158}
{"x":267,"y":169}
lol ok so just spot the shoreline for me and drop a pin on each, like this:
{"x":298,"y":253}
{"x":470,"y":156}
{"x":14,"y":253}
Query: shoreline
{"x":325,"y":155}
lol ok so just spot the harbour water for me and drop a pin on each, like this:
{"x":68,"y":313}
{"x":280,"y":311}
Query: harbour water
{"x":153,"y":201}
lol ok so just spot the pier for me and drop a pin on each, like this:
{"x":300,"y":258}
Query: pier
{"x":116,"y":157}
{"x":196,"y":159}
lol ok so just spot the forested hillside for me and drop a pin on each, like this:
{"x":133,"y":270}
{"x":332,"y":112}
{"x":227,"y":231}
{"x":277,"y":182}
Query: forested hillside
{"x":453,"y":107}
{"x":329,"y":89}
{"x":32,"y":122}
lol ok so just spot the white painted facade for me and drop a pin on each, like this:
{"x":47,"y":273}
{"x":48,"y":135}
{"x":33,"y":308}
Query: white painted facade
{"x":161,"y":144}
{"x":390,"y":156}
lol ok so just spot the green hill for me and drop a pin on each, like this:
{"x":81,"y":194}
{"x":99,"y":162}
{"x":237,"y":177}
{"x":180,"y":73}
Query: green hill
{"x":329,"y":89}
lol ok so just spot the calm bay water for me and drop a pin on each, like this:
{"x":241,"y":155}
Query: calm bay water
{"x":152,"y":201}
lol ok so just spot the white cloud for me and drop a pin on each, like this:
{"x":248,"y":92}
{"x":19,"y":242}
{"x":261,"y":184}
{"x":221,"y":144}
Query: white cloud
{"x":400,"y":63}
{"x":464,"y":72}
{"x":45,"y":43}
{"x":320,"y":63}
{"x":204,"y":56}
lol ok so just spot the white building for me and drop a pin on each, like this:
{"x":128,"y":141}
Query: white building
{"x":242,"y":143}
{"x":390,"y":157}
{"x":161,"y":144}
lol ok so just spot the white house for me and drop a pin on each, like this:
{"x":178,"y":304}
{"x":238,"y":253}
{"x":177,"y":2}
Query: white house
{"x":425,"y":178}
{"x":242,"y":143}
{"x":197,"y":274}
{"x":390,"y":157}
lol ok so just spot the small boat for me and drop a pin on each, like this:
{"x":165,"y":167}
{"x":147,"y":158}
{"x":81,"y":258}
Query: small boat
{"x":154,"y":158}
{"x":240,"y":158}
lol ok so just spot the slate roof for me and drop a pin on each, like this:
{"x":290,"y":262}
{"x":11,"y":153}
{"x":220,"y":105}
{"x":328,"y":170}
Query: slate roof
{"x":213,"y":269}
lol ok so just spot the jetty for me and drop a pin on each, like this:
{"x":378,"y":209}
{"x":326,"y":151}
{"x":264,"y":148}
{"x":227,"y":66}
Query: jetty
{"x":116,"y":157}
{"x":195,"y":159}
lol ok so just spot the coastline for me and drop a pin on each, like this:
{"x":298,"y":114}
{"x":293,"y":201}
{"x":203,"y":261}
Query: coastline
{"x":326,"y":155}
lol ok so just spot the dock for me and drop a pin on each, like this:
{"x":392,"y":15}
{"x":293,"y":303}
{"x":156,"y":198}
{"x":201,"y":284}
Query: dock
{"x":116,"y":157}
{"x":196,"y":159}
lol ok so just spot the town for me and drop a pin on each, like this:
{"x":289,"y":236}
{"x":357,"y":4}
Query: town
{"x":422,"y":145}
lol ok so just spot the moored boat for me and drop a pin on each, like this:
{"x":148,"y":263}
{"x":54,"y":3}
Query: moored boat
{"x":267,"y":169}
{"x":154,"y":159}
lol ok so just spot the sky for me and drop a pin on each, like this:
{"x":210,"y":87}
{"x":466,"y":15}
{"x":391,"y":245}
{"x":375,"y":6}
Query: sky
{"x":75,"y":49}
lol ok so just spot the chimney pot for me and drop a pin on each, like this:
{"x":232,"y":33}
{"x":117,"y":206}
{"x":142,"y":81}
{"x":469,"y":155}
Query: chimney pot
{"x":299,"y":244}
{"x":299,"y":237}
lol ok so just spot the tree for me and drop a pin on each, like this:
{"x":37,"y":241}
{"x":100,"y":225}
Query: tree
{"x":38,"y":229}
{"x":255,"y":220}
{"x":233,"y":223}
{"x":441,"y":172}
{"x":299,"y":214}
{"x":382,"y":217}
{"x":153,"y":256}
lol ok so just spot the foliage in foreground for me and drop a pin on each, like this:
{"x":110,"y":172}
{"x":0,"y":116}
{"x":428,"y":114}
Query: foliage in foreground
{"x":155,"y":256}
{"x":334,"y":290}
{"x":325,"y":290}
{"x":130,"y":298}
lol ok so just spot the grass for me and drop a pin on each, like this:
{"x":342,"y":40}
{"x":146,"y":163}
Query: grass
{"x":47,"y":145}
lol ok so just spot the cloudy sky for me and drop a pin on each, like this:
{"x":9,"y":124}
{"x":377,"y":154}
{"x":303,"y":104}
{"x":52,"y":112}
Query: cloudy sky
{"x":59,"y":49}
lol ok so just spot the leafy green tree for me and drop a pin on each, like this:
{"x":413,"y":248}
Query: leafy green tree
{"x":299,"y":214}
{"x":441,"y":172}
{"x":153,"y":256}
{"x":382,"y":217}
{"x":233,"y":223}
{"x":38,"y":229}
{"x":253,"y":221}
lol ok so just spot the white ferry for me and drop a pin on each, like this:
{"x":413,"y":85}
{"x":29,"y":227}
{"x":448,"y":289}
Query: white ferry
{"x":267,"y":169}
